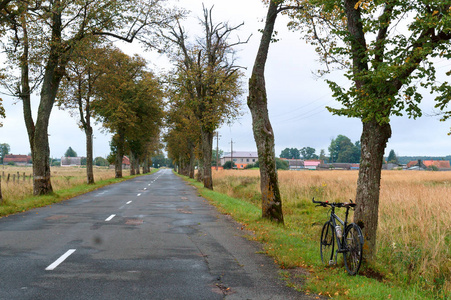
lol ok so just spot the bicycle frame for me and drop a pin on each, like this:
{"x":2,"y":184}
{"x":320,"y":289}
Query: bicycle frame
{"x":333,"y":219}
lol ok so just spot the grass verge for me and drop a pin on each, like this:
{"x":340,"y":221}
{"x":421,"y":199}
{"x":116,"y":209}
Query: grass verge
{"x":295,"y":248}
{"x":9,"y":207}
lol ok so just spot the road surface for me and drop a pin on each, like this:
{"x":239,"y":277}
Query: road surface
{"x":151,"y":237}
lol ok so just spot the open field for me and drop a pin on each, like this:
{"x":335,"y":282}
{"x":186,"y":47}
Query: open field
{"x":62,"y":178}
{"x":414,"y":236}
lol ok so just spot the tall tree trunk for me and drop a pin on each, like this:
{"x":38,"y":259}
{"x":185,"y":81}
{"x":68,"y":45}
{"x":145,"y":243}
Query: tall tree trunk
{"x":37,"y":133}
{"x":373,"y":141}
{"x":132,"y":163}
{"x":192,"y":163}
{"x":89,"y":156}
{"x":137,"y":163}
{"x":263,"y":133}
{"x":146,"y":165}
{"x":119,"y":155}
{"x":41,"y":156}
{"x":207,"y":148}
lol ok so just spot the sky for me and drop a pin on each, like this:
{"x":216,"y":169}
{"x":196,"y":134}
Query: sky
{"x":296,"y":97}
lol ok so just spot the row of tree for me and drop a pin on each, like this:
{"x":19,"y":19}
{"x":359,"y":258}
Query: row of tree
{"x":341,"y":150}
{"x":204,"y":91}
{"x":58,"y":49}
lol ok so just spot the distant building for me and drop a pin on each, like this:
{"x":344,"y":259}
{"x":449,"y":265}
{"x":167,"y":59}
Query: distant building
{"x":240,"y":158}
{"x":294,"y":164}
{"x":425,"y":164}
{"x":312,"y":164}
{"x":17,"y":159}
{"x":70,"y":161}
{"x":300,"y":164}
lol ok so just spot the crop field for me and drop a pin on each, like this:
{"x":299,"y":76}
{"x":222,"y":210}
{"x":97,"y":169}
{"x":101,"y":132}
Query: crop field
{"x":16,"y":189}
{"x":414,"y":234}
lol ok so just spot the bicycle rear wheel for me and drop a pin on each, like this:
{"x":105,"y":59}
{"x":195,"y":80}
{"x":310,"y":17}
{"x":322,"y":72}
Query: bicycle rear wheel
{"x":354,"y":248}
{"x":327,"y":244}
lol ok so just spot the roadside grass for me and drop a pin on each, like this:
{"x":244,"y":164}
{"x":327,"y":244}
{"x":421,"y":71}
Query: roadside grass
{"x":295,"y":246}
{"x":21,"y":199}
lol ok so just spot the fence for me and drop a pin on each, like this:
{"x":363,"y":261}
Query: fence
{"x":14,"y":179}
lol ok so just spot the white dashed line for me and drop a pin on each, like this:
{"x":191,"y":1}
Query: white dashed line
{"x":138,"y":195}
{"x":128,"y":202}
{"x":110,"y":218}
{"x":60,"y":260}
{"x":145,"y":189}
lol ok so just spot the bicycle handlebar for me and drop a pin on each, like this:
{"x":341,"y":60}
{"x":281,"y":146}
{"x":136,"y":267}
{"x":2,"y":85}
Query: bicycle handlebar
{"x":334,"y":204}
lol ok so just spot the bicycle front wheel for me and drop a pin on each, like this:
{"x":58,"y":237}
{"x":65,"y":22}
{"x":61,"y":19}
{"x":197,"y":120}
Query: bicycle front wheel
{"x":354,"y":248}
{"x":327,"y":244}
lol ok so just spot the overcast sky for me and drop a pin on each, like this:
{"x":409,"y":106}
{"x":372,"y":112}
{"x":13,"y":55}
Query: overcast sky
{"x":297,"y":98}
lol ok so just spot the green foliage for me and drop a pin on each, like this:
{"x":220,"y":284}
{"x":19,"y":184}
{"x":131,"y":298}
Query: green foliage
{"x":308,"y":153}
{"x":70,"y":153}
{"x":290,"y":153}
{"x":229,"y":165}
{"x":281,"y":164}
{"x":4,"y":150}
{"x":387,"y":55}
{"x":342,"y":150}
{"x":392,"y":157}
{"x":100,"y":161}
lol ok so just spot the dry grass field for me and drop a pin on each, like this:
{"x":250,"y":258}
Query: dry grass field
{"x":414,"y":235}
{"x":62,"y":178}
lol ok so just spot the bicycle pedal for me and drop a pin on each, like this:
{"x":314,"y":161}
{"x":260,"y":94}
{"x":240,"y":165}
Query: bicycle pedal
{"x":331,"y":262}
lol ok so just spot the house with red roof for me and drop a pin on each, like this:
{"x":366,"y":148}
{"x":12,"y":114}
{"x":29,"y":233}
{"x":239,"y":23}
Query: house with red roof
{"x":17,"y":159}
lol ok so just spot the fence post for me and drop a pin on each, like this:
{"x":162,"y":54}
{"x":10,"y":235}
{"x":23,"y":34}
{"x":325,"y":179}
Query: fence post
{"x":1,"y":197}
{"x":23,"y":176}
{"x":7,"y":180}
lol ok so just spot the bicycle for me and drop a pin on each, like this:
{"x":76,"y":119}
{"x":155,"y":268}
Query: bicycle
{"x":350,"y":243}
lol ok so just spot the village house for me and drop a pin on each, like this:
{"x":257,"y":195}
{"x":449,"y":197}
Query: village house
{"x":240,"y":158}
{"x":429,"y":164}
{"x":17,"y":159}
{"x":70,"y":161}
{"x":300,"y":164}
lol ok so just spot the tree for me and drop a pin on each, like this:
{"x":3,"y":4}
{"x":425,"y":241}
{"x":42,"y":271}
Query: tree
{"x":229,"y":165}
{"x":77,"y":91}
{"x":70,"y":153}
{"x":263,"y":133}
{"x":290,"y":153}
{"x":282,"y":164}
{"x":387,"y":48}
{"x":342,"y":150}
{"x":40,"y":40}
{"x":4,"y":150}
{"x":100,"y":161}
{"x":183,"y":134}
{"x":322,"y":155}
{"x":210,"y":79}
{"x":308,"y":153}
{"x":129,"y":104}
{"x":392,"y":157}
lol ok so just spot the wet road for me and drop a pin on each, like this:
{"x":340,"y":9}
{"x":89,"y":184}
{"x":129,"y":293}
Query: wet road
{"x":151,"y":237}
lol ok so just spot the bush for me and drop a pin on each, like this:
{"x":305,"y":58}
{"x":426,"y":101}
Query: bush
{"x":228,"y":165}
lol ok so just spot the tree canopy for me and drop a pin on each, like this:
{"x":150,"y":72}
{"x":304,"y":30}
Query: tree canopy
{"x":70,"y":153}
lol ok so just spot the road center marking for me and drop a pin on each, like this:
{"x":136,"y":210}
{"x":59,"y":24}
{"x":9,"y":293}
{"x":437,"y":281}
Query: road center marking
{"x":60,"y":260}
{"x":110,"y":218}
{"x":128,"y":202}
{"x":138,"y":195}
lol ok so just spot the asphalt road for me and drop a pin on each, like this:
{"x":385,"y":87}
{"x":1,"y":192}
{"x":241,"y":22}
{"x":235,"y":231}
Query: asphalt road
{"x":151,"y":237}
